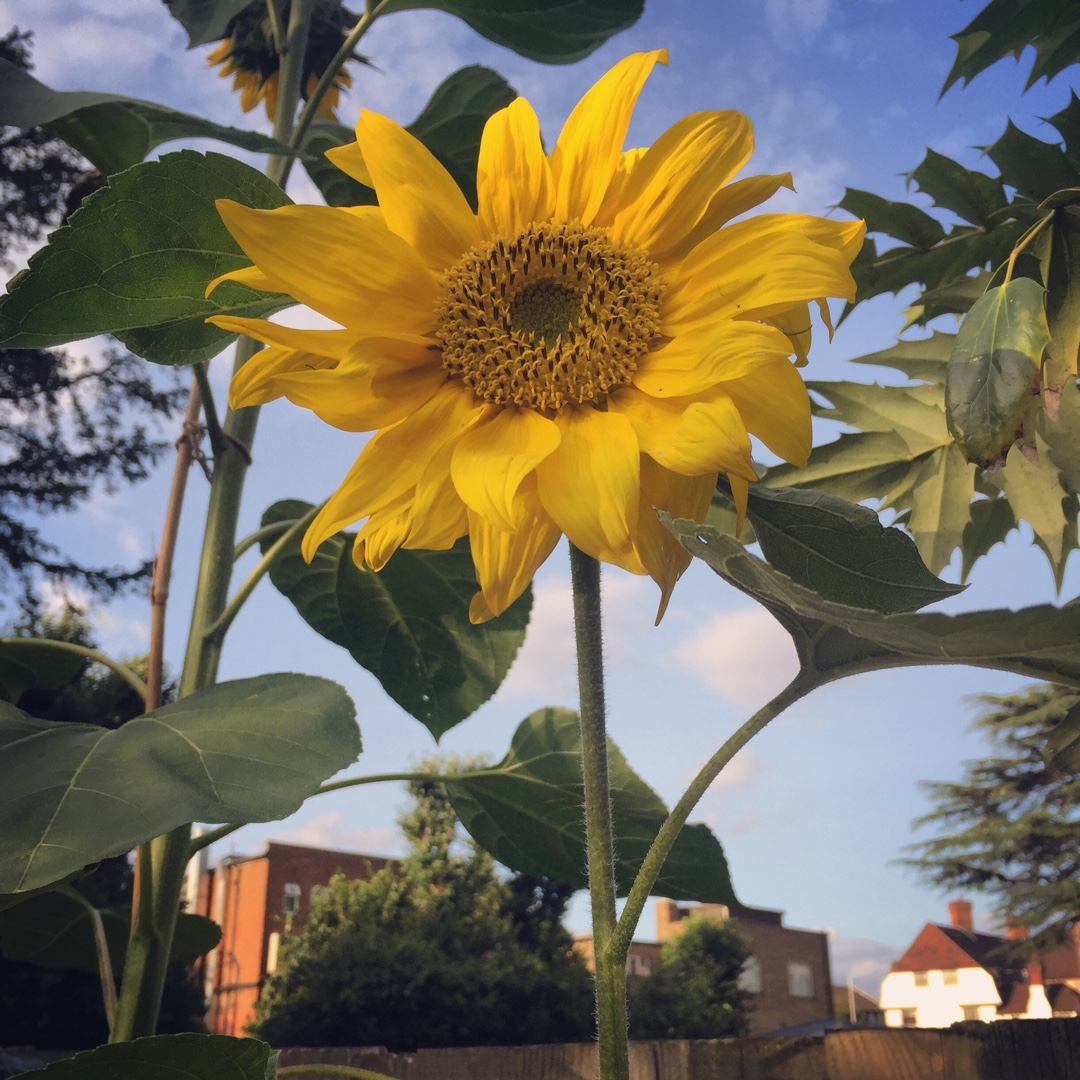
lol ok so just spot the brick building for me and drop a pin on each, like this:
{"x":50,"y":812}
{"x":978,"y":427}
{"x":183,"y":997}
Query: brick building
{"x":251,"y":897}
{"x":787,"y":973}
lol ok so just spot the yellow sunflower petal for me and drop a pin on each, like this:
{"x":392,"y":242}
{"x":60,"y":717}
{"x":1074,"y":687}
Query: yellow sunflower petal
{"x":795,"y":323}
{"x":587,"y":154}
{"x":492,"y":459}
{"x":348,"y":266}
{"x":251,"y":276}
{"x":589,"y":485}
{"x":775,"y":408}
{"x":393,"y":461}
{"x":682,"y":497}
{"x":507,"y":561}
{"x":419,"y":198}
{"x":759,"y":267}
{"x":383,"y":533}
{"x":695,"y":361}
{"x":439,"y":517}
{"x":689,"y":437}
{"x":350,"y":160}
{"x":674,"y":183}
{"x":513,"y":178}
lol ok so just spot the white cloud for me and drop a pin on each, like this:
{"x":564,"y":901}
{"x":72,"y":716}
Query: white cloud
{"x":333,"y":831}
{"x":862,"y":960}
{"x":741,"y":772}
{"x":743,"y":655}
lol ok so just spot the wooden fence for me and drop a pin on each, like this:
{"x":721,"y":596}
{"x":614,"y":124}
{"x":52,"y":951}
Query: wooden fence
{"x":1007,"y":1050}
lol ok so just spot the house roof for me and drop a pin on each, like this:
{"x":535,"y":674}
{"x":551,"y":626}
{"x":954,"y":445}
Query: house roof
{"x":946,"y":948}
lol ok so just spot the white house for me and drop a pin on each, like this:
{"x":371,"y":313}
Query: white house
{"x":951,"y":973}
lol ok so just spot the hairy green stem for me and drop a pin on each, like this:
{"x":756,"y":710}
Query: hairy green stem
{"x":210,"y":413}
{"x":98,"y":657}
{"x":166,"y":857}
{"x":610,"y":970}
{"x":101,"y":947}
{"x":654,"y":860}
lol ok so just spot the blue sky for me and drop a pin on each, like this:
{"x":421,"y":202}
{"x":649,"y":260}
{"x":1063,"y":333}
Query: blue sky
{"x":815,"y":812}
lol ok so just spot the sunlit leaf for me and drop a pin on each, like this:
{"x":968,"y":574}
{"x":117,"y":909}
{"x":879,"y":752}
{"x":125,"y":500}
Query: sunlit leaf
{"x":552,"y":31}
{"x":248,"y":750}
{"x":110,"y":131}
{"x":528,"y":812}
{"x":135,"y":261}
{"x":842,"y":551}
{"x":408,"y":624}
{"x":994,"y":368}
{"x":178,"y":1057}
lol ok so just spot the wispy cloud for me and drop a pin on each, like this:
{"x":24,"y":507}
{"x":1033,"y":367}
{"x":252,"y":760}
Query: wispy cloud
{"x":334,"y":831}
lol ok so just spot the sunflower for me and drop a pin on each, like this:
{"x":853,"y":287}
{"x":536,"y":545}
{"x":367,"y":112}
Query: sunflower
{"x":248,"y":54}
{"x":600,"y":338}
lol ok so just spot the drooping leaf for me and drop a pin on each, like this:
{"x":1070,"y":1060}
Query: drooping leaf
{"x":994,"y":369}
{"x":135,"y":261}
{"x":26,"y":665}
{"x":450,"y":126}
{"x":242,"y":751}
{"x":834,"y":640}
{"x":408,"y":624}
{"x":527,"y":811}
{"x":551,"y":31}
{"x":991,"y":522}
{"x":842,"y":551}
{"x":940,"y":505}
{"x":53,"y":929}
{"x":112,"y":132}
{"x":178,"y":1057}
{"x":205,"y":20}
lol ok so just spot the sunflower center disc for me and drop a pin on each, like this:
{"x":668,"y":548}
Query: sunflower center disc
{"x":558,"y":315}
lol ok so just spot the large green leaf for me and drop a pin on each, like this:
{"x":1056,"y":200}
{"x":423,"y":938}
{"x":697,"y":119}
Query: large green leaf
{"x":842,"y":551}
{"x":551,"y":31}
{"x":1006,"y":27}
{"x":135,"y":261}
{"x":1035,"y":168}
{"x":25,"y":665}
{"x":54,"y":929}
{"x":971,"y":195}
{"x":450,"y":126}
{"x":408,"y":624}
{"x":176,"y":1057}
{"x":994,"y":369}
{"x":527,"y":811}
{"x":205,"y":20}
{"x":834,"y":640}
{"x":110,"y":131}
{"x":249,"y":750}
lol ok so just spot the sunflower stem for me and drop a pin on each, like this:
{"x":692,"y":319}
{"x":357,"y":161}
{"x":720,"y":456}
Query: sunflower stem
{"x":609,"y":969}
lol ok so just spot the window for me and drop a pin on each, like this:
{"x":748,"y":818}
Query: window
{"x":638,"y":965}
{"x":922,"y":978}
{"x":950,"y":978}
{"x":971,"y":1012}
{"x":318,"y":892}
{"x":290,"y":901}
{"x":909,"y":1017}
{"x":750,"y":977}
{"x":800,"y":980}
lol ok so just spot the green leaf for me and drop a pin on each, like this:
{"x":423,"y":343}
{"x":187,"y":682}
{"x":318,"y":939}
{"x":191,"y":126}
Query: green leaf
{"x":205,"y":20}
{"x":111,"y":132}
{"x":842,"y":551}
{"x":971,"y":195}
{"x":1035,"y":168}
{"x":408,"y":624}
{"x":527,"y":811}
{"x":551,"y":31}
{"x":1063,"y":747}
{"x":53,"y":929}
{"x":990,"y":523}
{"x":994,"y":368}
{"x":834,"y":640}
{"x":923,"y":358}
{"x":1062,"y":436}
{"x":1036,"y":495}
{"x":177,"y":1057}
{"x":1067,"y":123}
{"x":249,"y":750}
{"x":903,"y":221}
{"x":26,"y":665}
{"x":940,"y":505}
{"x":135,"y":261}
{"x":450,"y":126}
